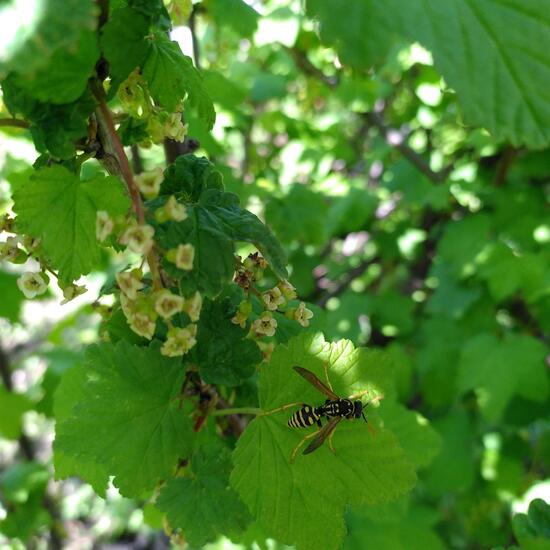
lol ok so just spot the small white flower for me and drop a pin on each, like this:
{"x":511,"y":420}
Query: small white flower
{"x":179,"y":341}
{"x":149,"y":182}
{"x":174,"y":210}
{"x":168,"y":304}
{"x":265,"y":325}
{"x":72,"y":291}
{"x":32,"y":284}
{"x":104,"y":225}
{"x":142,"y":324}
{"x":174,"y":128}
{"x":130,"y":283}
{"x":288,"y":291}
{"x":193,"y":306}
{"x":273,"y":298}
{"x":182,"y":256}
{"x":302,"y":314}
{"x":10,"y":250}
{"x":139,"y":238}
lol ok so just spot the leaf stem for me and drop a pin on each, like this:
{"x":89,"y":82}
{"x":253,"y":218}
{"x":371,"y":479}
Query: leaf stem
{"x":238,"y":410}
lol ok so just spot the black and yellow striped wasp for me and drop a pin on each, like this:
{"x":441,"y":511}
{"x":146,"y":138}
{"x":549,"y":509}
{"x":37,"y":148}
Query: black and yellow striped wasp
{"x":334,"y":409}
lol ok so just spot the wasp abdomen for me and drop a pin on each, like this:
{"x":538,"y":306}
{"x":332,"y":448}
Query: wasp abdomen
{"x":306,"y":416}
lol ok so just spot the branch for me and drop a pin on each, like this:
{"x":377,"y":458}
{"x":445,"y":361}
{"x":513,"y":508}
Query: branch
{"x":27,"y":449}
{"x":15,"y":122}
{"x":508,"y":156}
{"x":194,"y":40}
{"x":396,"y":139}
{"x":307,"y":67}
{"x":113,"y":147}
{"x":345,"y":281}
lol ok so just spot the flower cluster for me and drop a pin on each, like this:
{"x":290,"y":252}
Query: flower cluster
{"x":273,"y":300}
{"x":135,"y":99}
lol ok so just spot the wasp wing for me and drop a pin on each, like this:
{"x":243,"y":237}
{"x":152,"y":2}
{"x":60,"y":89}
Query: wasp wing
{"x":314,"y":381}
{"x":324,"y":432}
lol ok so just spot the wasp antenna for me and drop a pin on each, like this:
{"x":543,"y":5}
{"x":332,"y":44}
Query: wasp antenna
{"x":364,"y":417}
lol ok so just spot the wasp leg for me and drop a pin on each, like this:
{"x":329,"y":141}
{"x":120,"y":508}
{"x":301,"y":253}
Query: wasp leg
{"x":325,"y":368}
{"x":330,"y":443}
{"x":283,"y":408}
{"x":300,"y":444}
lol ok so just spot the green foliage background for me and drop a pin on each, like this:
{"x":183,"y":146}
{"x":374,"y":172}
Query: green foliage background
{"x":398,"y":154}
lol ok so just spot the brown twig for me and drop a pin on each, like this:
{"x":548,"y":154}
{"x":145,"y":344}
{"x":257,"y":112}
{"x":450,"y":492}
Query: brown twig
{"x":397,"y":140}
{"x":508,"y":156}
{"x":15,"y":122}
{"x":307,"y":67}
{"x":113,"y":147}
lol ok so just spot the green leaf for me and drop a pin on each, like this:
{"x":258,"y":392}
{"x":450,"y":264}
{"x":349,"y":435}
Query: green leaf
{"x":236,"y":14}
{"x":299,"y":216}
{"x":414,"y":531}
{"x":65,"y":77}
{"x":461,"y":243}
{"x":354,"y":29}
{"x":532,"y":530}
{"x":10,"y":305}
{"x":419,"y":440}
{"x":21,"y":480}
{"x":242,"y":225}
{"x":55,"y":206}
{"x":454,"y":468}
{"x":214,"y":261}
{"x":189,"y":176}
{"x":70,"y":391}
{"x":12,"y":408}
{"x":486,"y":50}
{"x":202,"y":504}
{"x":129,"y":419}
{"x":172,"y":76}
{"x":32,"y":37}
{"x":303,"y":502}
{"x":499,"y":369}
{"x":54,"y":128}
{"x":123,"y":43}
{"x":225,"y":355}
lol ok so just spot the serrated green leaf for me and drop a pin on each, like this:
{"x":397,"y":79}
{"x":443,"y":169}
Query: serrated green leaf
{"x":65,"y":77}
{"x":123,"y":43}
{"x":499,"y":369}
{"x":55,"y":206}
{"x":466,"y":38}
{"x":32,"y":37}
{"x":224,"y":354}
{"x":357,"y":33}
{"x":55,"y":128}
{"x":487,"y":51}
{"x":172,"y":76}
{"x":214,"y":261}
{"x":303,"y":502}
{"x":203,"y":505}
{"x":70,"y":391}
{"x":129,"y":420}
{"x":415,"y":530}
{"x":242,"y":225}
{"x":299,"y":216}
{"x":12,"y":408}
{"x":453,"y":469}
{"x":419,"y":440}
{"x":236,"y":14}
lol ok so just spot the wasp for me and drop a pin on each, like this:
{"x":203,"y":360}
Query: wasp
{"x":334,"y":409}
